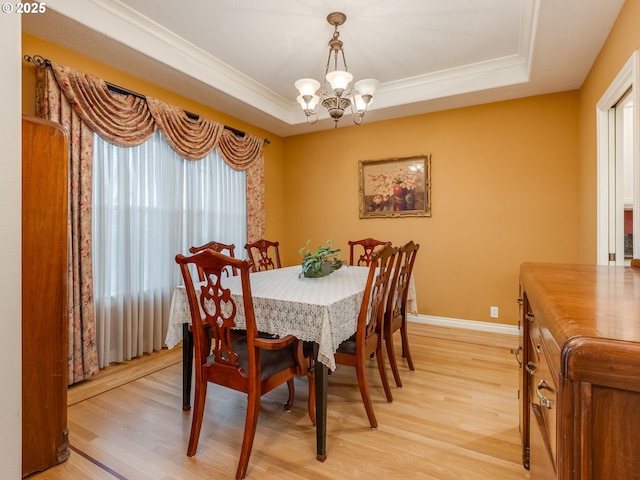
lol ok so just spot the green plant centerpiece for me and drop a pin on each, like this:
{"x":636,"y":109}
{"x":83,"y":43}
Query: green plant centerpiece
{"x":321,"y":262}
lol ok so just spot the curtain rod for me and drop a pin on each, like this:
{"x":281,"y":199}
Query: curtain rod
{"x":43,"y":62}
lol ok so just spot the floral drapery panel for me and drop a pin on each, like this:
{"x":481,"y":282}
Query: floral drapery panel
{"x":82,"y":353}
{"x":83,"y":104}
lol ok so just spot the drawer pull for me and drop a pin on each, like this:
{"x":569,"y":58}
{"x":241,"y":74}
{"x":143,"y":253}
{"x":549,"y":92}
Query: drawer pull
{"x":516,"y":352}
{"x":531,"y":368}
{"x":538,"y":349}
{"x":544,"y":400}
{"x":530,"y":316}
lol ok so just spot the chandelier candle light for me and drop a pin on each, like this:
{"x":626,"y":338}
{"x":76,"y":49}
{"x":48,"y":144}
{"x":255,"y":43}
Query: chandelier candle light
{"x":341,"y":95}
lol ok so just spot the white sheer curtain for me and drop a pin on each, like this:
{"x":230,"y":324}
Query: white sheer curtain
{"x":148,"y":205}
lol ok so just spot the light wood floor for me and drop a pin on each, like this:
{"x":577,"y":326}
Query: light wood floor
{"x":455,"y":418}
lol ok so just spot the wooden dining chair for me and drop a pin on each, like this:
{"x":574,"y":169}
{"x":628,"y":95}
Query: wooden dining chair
{"x":368,"y":337}
{"x":368,"y":246}
{"x":395,"y":313}
{"x":251,"y":364}
{"x":187,"y":335}
{"x":260,"y":256}
{"x":218,"y":247}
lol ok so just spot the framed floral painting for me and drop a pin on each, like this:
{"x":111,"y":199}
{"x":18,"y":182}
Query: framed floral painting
{"x":395,"y":187}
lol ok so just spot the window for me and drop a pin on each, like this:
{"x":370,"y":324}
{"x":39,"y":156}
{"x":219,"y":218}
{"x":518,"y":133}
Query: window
{"x":148,"y":205}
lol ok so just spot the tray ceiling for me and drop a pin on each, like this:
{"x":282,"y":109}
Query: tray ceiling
{"x":242,"y":57}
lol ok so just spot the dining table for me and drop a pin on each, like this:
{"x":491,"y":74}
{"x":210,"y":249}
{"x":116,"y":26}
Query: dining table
{"x":321,"y":310}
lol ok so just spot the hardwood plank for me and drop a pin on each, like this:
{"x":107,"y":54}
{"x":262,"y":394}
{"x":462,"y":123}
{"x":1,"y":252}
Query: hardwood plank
{"x":455,"y":418}
{"x":76,"y":467}
{"x":118,"y":374}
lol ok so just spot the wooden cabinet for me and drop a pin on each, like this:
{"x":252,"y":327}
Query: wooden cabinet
{"x":44,"y":295}
{"x":581,"y":371}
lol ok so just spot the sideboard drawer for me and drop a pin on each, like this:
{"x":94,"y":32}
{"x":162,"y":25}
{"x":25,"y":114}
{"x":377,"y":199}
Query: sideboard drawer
{"x":542,"y":461}
{"x":542,"y":394}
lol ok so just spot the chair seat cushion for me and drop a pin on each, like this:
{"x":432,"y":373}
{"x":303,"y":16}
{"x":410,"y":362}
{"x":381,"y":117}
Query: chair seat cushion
{"x":307,"y":349}
{"x":271,"y":361}
{"x":348,"y":346}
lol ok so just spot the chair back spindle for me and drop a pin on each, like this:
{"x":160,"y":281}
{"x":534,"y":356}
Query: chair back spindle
{"x":368,"y":246}
{"x":263,"y":254}
{"x":217,"y":247}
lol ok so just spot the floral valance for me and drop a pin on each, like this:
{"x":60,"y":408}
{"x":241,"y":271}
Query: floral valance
{"x":190,"y":138}
{"x":128,"y":120}
{"x":123,"y":120}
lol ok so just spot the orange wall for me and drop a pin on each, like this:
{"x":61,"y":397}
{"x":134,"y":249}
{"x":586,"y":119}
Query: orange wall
{"x":273,"y":153}
{"x":623,"y":40}
{"x":505,"y":189}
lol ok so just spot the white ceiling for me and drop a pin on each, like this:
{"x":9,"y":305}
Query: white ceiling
{"x":242,"y":57}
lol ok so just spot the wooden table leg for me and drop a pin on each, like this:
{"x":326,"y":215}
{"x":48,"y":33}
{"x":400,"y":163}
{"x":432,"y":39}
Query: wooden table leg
{"x":187,"y":366}
{"x":321,"y":374}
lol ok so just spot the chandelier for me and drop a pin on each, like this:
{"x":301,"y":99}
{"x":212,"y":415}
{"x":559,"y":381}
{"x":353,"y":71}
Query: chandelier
{"x":336,"y":94}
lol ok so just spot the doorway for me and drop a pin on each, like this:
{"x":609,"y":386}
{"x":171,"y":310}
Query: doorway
{"x":618,"y":169}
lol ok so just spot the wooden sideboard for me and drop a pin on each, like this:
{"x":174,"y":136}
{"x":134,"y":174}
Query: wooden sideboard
{"x":580,"y":395}
{"x":44,"y":294}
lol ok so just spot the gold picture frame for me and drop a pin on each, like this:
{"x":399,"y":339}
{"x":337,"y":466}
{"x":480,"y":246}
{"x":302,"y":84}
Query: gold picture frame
{"x":395,"y":187}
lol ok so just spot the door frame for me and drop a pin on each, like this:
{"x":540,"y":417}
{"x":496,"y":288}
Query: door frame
{"x":607,"y":181}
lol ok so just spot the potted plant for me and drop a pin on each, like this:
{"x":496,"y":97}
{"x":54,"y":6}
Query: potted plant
{"x":320,"y":262}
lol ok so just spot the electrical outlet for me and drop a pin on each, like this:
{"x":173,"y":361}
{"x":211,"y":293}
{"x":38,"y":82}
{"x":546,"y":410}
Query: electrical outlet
{"x":494,"y":312}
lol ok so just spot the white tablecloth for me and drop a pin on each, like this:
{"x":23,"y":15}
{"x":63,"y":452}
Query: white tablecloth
{"x":323,"y":310}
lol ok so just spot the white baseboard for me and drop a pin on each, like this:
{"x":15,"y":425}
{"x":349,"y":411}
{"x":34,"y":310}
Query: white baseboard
{"x":468,"y":324}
